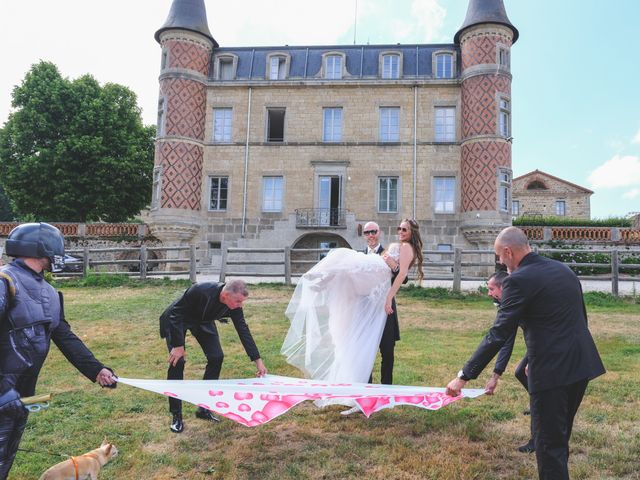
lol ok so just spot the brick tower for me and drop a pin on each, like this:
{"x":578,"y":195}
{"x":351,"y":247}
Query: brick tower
{"x":186,"y":45}
{"x":485,"y":40}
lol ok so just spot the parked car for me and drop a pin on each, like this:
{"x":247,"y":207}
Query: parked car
{"x":71,"y":264}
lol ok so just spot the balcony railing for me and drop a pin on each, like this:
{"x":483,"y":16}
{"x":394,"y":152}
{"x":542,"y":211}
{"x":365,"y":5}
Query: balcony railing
{"x":321,"y":218}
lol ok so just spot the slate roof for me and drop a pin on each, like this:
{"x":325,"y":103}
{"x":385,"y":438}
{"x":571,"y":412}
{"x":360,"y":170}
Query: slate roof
{"x":187,"y":15}
{"x":485,"y":11}
{"x":362,"y":61}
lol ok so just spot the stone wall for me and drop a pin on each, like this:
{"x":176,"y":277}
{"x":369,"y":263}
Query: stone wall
{"x":360,"y":159}
{"x":543,"y":201}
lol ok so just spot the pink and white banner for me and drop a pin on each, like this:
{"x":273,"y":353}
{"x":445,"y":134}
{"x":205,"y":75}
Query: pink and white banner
{"x":255,"y":401}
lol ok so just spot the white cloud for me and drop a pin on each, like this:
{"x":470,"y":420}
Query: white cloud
{"x":632,"y":193}
{"x":636,"y":139}
{"x":619,"y":171}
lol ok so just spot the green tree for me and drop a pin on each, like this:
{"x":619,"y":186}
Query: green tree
{"x":75,"y":151}
{"x":6,"y":214}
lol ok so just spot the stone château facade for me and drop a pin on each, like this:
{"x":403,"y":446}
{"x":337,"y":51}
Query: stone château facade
{"x":539,"y":193}
{"x":300,"y":146}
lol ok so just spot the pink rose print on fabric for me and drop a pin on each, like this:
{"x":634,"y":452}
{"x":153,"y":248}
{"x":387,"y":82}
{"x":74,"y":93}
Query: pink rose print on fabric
{"x":252,"y":403}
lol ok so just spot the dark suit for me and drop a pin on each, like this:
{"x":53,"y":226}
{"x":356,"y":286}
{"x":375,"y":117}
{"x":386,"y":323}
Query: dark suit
{"x":196,"y":311}
{"x":390,"y":335}
{"x":504,"y":355}
{"x":545,"y":296}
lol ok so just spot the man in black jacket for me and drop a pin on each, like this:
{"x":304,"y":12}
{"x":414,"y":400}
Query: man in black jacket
{"x":494,"y":287}
{"x":196,"y":310}
{"x":544,"y":296}
{"x":31,"y":315}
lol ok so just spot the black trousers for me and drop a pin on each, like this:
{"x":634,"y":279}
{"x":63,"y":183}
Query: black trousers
{"x":11,"y":430}
{"x":552,"y":415}
{"x":523,"y":379}
{"x":387,"y":349}
{"x":21,"y":358}
{"x":210,"y":344}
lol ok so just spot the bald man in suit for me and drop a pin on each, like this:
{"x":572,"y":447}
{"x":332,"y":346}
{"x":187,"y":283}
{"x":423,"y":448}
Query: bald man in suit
{"x":545,"y":296}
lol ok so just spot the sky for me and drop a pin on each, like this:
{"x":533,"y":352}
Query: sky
{"x":576,"y":66}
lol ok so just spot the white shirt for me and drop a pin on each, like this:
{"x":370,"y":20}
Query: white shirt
{"x":374,"y":249}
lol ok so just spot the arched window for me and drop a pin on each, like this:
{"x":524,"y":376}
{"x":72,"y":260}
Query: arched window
{"x":225,"y":67}
{"x":444,"y":65}
{"x":333,"y":67}
{"x":391,"y":65}
{"x":536,"y":185}
{"x":277,"y":66}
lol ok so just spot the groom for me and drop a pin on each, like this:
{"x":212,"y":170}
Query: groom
{"x":391,"y":331}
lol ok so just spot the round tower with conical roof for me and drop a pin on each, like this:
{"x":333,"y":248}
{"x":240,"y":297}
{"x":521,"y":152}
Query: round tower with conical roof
{"x":186,"y":45}
{"x":485,"y":40}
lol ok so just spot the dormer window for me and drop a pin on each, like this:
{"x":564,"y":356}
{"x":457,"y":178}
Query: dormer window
{"x":333,"y":67}
{"x":444,"y":65}
{"x":226,"y":67}
{"x":277,"y":66}
{"x":391,"y":66}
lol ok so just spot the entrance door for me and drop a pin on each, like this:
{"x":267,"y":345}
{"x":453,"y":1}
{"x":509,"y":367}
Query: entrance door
{"x":329,"y":200}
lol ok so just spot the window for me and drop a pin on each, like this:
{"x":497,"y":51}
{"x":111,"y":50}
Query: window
{"x":504,"y":59}
{"x":388,"y":194}
{"x":325,"y":246}
{"x":536,"y":185}
{"x":505,"y":118}
{"x":332,"y":125}
{"x":444,"y":65}
{"x":156,"y":192}
{"x":219,"y":193}
{"x":445,"y":124}
{"x":444,"y":247}
{"x":225,"y":69}
{"x":444,"y":194}
{"x":333,"y":67}
{"x":504,"y":190}
{"x":277,"y":70}
{"x":561,"y":208}
{"x":391,"y":66}
{"x":165,"y":59}
{"x":515,"y":207}
{"x":160,"y":126}
{"x":222,"y":125}
{"x":275,"y":124}
{"x":272,"y":194}
{"x":390,"y":124}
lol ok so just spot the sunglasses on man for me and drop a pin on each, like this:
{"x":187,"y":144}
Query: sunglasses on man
{"x":370,"y":232}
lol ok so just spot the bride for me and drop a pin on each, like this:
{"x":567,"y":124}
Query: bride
{"x":340,"y":306}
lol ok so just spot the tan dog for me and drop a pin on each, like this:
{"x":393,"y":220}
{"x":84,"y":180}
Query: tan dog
{"x":85,"y":466}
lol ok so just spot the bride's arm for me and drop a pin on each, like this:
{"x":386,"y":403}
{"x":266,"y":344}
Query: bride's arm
{"x":406,"y":256}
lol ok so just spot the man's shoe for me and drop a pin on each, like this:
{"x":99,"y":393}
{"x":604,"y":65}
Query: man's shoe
{"x":527,"y":448}
{"x":351,"y":411}
{"x":176,"y":424}
{"x":203,"y":414}
{"x":526,"y":412}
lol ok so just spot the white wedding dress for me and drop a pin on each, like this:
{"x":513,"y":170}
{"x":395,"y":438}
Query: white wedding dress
{"x":337,"y":316}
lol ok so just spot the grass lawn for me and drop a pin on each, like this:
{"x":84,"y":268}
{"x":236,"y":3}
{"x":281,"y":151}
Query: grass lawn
{"x":471,"y":439}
